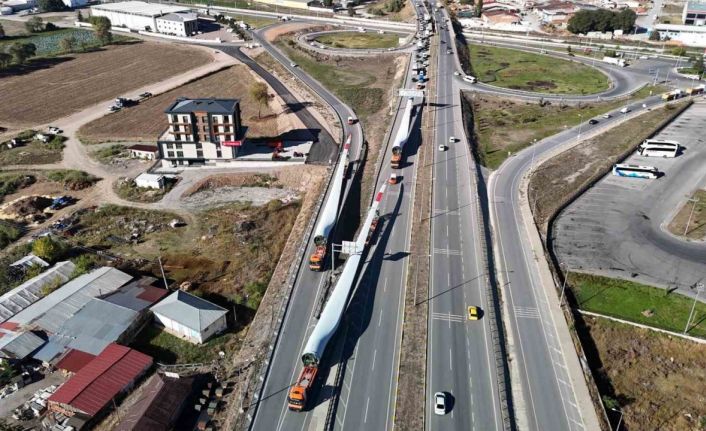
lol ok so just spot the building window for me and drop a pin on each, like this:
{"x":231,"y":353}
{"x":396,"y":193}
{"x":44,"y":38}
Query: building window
{"x":226,"y":129}
{"x":219,"y":154}
{"x":204,"y":119}
{"x":199,"y":154}
{"x":177,"y":137}
{"x":175,"y":118}
{"x":178,"y":146}
{"x":170,"y":154}
{"x":199,"y":146}
{"x":180,"y":154}
{"x":169,"y":146}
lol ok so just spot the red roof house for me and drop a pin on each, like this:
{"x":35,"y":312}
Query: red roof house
{"x":113,"y":371}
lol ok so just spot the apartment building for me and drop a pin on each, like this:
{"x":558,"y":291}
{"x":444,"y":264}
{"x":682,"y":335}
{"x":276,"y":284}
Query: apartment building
{"x":201,"y":132}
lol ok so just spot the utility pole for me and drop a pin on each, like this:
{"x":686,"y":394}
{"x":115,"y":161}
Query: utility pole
{"x":563,"y":287}
{"x":161,"y":268}
{"x":688,"y":221}
{"x":699,"y":289}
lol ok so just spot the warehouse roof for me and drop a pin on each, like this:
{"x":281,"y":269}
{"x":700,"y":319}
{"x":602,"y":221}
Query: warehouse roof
{"x":102,"y":379}
{"x":160,"y":404}
{"x":90,"y":329}
{"x":140,"y":8}
{"x":74,"y":360}
{"x":138,"y":295}
{"x":29,"y":261}
{"x":53,"y":310}
{"x":189,"y":310}
{"x":18,"y":345}
{"x":29,"y":292}
{"x":212,"y":106}
{"x":179,"y":17}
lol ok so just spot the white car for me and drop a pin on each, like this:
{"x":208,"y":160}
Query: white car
{"x":293,"y":64}
{"x":55,"y":130}
{"x":442,"y":147}
{"x":625,"y":110}
{"x":457,"y":73}
{"x":607,"y":115}
{"x":440,"y":403}
{"x":452,"y":139}
{"x":469,"y":78}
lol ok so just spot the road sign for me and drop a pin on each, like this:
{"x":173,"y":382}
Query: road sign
{"x":408,"y":92}
{"x":350,"y":247}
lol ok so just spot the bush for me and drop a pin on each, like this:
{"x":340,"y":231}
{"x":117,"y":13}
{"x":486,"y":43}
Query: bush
{"x":8,"y":234}
{"x":72,"y":179}
{"x":84,"y":264}
{"x":48,"y":249}
{"x":12,"y":182}
{"x":255,"y":291}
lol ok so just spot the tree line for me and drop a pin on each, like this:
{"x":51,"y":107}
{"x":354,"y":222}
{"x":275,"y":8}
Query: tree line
{"x":601,"y":20}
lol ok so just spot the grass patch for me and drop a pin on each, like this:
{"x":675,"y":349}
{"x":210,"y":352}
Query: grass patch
{"x":355,"y":85}
{"x":169,"y":349}
{"x":11,"y":182}
{"x":107,"y":154}
{"x":509,"y":68}
{"x":255,"y":21}
{"x":8,"y":234}
{"x":695,"y":214}
{"x":356,"y":40}
{"x":558,"y":179}
{"x":32,"y":151}
{"x":637,"y":303}
{"x":48,"y":42}
{"x":503,"y":126}
{"x":72,"y":179}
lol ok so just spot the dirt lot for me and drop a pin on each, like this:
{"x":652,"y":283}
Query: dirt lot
{"x":68,"y":84}
{"x":559,"y":178}
{"x":695,"y":214}
{"x":146,"y":121}
{"x":658,"y":381}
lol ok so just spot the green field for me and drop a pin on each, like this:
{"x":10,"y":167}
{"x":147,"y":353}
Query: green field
{"x":505,"y":126}
{"x":509,"y":68}
{"x":47,"y":43}
{"x":255,"y":21}
{"x":637,"y":303}
{"x":356,"y":40}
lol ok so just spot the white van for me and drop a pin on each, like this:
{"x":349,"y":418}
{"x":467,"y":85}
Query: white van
{"x":469,"y":78}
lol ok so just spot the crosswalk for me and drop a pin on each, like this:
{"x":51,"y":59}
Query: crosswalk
{"x":526,"y":312}
{"x":448,"y":317}
{"x":447,"y":252}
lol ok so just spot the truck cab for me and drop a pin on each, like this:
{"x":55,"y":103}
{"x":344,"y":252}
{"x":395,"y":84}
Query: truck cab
{"x":296,"y":401}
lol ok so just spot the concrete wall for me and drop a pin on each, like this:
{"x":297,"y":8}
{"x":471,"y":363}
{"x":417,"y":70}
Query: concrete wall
{"x":117,"y":19}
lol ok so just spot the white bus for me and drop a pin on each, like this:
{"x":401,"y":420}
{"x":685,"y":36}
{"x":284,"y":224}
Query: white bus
{"x":635,"y":171}
{"x":658,"y":148}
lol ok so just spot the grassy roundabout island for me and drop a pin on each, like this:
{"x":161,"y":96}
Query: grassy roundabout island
{"x":356,"y":40}
{"x":510,"y":68}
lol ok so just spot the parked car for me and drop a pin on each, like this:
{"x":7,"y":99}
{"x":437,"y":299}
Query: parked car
{"x":469,"y":78}
{"x":54,"y":130}
{"x":60,"y":202}
{"x":145,"y":95}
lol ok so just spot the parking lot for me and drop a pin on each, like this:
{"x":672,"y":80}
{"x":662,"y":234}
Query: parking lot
{"x":618,"y":227}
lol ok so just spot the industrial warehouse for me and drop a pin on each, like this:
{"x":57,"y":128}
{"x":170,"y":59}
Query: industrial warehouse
{"x":154,"y":17}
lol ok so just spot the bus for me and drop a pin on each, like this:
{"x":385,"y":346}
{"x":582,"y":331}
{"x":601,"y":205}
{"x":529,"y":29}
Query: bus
{"x":658,"y":148}
{"x":635,"y":171}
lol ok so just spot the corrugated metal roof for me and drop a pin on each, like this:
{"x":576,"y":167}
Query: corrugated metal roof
{"x":18,"y":345}
{"x":102,"y":379}
{"x":140,"y":8}
{"x":159,"y":406}
{"x":74,"y":360}
{"x":90,"y":330}
{"x":29,"y":261}
{"x":53,"y":310}
{"x":29,"y":292}
{"x":137,"y":295}
{"x":189,"y":310}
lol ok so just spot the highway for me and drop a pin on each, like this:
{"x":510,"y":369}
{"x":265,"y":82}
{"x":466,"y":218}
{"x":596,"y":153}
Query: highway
{"x":460,"y":355}
{"x":548,"y":391}
{"x":374,"y":318}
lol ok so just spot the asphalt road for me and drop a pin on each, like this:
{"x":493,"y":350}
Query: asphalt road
{"x":548,"y":393}
{"x":617,"y":228}
{"x":460,"y":355}
{"x":373,"y":318}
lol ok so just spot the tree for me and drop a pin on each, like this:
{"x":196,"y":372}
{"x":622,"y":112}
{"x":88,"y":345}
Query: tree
{"x":68,"y":44}
{"x":479,"y":8}
{"x":654,"y":35}
{"x":679,"y":51}
{"x":624,"y":20}
{"x":5,"y":60}
{"x":47,"y":248}
{"x":51,"y":5}
{"x":2,"y":31}
{"x":581,"y":22}
{"x":34,"y":25}
{"x":258,"y":91}
{"x":102,"y":26}
{"x":22,"y":51}
{"x":351,"y":11}
{"x":328,"y":3}
{"x":79,"y":16}
{"x":568,"y":49}
{"x":698,"y":64}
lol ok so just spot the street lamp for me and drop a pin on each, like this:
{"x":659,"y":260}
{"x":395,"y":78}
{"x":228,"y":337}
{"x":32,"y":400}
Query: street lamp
{"x":699,"y":289}
{"x":620,"y":421}
{"x":578,"y":137}
{"x":688,"y":221}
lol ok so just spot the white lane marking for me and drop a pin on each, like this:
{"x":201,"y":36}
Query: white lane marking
{"x":367,"y":403}
{"x":375,"y":354}
{"x":451,"y":367}
{"x":380,"y":319}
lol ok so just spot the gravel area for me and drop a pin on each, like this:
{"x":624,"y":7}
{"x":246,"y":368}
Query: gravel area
{"x":257,"y":196}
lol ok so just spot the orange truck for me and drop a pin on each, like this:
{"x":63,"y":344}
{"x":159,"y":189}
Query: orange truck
{"x":316,"y":261}
{"x":396,"y":159}
{"x":297,"y":398}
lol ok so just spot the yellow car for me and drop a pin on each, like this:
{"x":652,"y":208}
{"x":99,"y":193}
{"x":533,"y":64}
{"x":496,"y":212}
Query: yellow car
{"x":473,"y":312}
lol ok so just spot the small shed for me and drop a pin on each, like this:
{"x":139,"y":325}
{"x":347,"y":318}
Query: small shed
{"x":146,"y":152}
{"x":150,"y":181}
{"x":190,"y":317}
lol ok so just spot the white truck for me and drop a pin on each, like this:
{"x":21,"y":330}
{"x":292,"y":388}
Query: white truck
{"x":616,"y":61}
